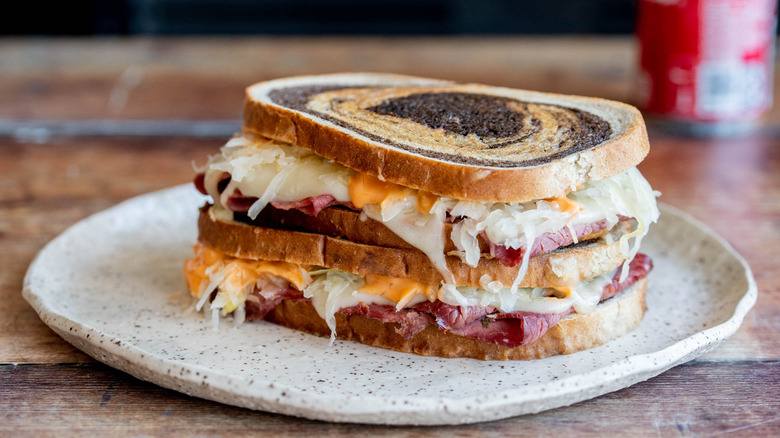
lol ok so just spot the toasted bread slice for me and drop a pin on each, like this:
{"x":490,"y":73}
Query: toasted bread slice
{"x":561,"y":268}
{"x":348,"y":224}
{"x":465,"y":141}
{"x":611,"y":319}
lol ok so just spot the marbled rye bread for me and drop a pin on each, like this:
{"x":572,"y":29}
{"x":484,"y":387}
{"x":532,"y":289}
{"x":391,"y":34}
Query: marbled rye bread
{"x":465,"y":141}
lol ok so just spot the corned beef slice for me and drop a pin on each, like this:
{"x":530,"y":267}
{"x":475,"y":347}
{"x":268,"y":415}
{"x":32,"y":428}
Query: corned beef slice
{"x":484,"y":323}
{"x":410,"y":321}
{"x":543,"y":244}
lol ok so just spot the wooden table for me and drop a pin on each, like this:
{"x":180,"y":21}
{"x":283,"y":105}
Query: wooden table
{"x":86,"y":124}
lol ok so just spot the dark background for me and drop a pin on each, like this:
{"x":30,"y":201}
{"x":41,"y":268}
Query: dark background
{"x":300,"y":17}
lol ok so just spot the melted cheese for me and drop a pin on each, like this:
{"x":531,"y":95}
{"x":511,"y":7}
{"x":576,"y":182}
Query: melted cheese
{"x":424,"y":231}
{"x":627,"y":194}
{"x":584,"y":297}
{"x":426,"y":201}
{"x":332,"y":290}
{"x":566,"y":205}
{"x":514,"y":225}
{"x":365,"y":189}
{"x":234,"y":279}
{"x":275,"y":171}
{"x":195,"y":268}
{"x":398,"y":290}
{"x":417,"y":218}
{"x":238,"y":276}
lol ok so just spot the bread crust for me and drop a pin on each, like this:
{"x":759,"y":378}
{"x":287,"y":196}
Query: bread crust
{"x":623,"y":150}
{"x":348,"y":224}
{"x":565,"y":266}
{"x":611,"y":319}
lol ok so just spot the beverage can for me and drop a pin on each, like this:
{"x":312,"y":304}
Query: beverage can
{"x":706,"y":63}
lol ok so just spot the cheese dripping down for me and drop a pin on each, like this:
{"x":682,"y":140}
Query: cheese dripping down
{"x":235,"y":280}
{"x":272,"y":171}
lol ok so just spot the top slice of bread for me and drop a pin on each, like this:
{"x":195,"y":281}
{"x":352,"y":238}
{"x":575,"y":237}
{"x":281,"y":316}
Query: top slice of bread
{"x":465,"y":141}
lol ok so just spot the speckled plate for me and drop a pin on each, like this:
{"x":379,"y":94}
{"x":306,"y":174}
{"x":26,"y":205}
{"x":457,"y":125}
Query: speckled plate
{"x":112,"y":285}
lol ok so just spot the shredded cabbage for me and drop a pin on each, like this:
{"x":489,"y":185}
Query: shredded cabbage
{"x":519,"y":224}
{"x":584,"y":297}
{"x":270,"y":170}
{"x":424,"y":231}
{"x":332,"y":290}
{"x":627,"y":194}
{"x":325,"y":292}
{"x":512,"y":225}
{"x":270,"y":191}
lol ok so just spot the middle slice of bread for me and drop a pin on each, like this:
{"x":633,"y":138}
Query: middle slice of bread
{"x":563,"y":266}
{"x":351,"y":225}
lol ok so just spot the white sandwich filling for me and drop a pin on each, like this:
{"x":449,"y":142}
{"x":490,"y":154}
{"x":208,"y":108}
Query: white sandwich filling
{"x":331,"y":290}
{"x":334,"y":290}
{"x":271,"y":171}
{"x":274,"y":171}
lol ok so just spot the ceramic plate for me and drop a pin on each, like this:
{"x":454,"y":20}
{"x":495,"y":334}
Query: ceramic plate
{"x":112,"y":285}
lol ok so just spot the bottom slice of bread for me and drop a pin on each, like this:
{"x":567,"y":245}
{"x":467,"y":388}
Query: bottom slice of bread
{"x":611,"y":319}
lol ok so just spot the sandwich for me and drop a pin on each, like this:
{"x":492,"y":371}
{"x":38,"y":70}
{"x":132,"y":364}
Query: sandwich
{"x":427,"y":216}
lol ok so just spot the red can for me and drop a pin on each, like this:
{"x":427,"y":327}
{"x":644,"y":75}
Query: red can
{"x":706,"y":61}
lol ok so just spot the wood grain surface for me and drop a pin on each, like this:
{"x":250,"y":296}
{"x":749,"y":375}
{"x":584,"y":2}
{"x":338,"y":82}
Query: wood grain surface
{"x":53,"y":177}
{"x":94,"y":399}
